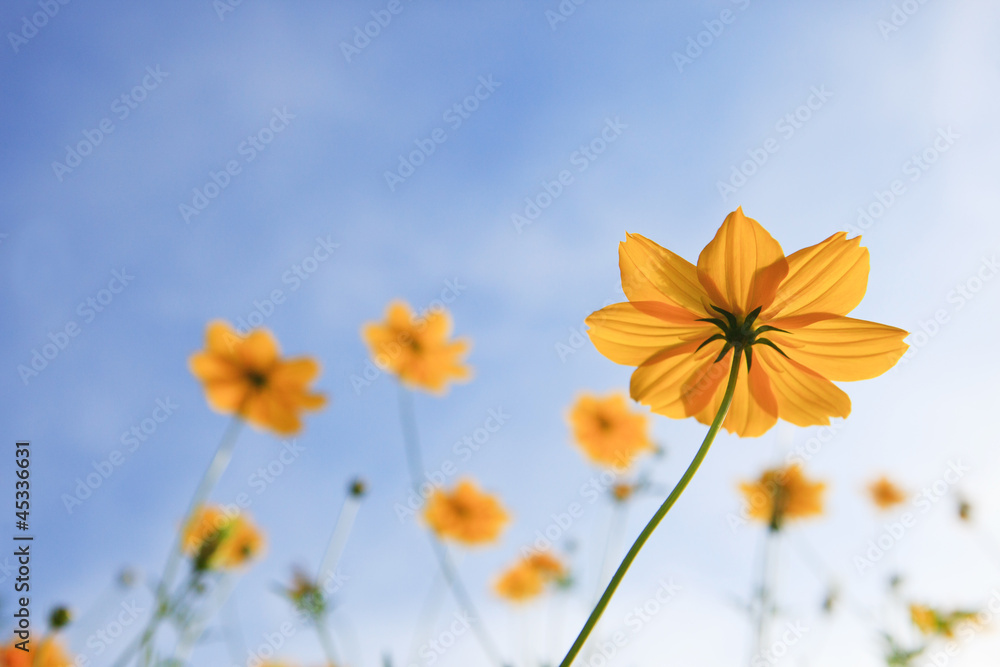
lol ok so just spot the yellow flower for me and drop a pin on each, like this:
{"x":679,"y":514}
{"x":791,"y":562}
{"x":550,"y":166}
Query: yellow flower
{"x":781,"y":494}
{"x":526,"y":579}
{"x":607,"y":431}
{"x":246,"y":376}
{"x":622,"y":491}
{"x":885,"y":494}
{"x":220,"y":541}
{"x":417,"y":349}
{"x":788,"y":313}
{"x":47,"y":653}
{"x":466,"y":515}
{"x":932,"y":622}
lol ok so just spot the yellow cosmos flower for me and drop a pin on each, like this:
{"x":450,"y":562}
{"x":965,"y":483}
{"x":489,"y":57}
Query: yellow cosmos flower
{"x":417,"y":349}
{"x":781,"y":494}
{"x":220,"y":541}
{"x":885,"y":494}
{"x":466,"y":515}
{"x":931,"y":622}
{"x":246,"y":376}
{"x":47,"y":653}
{"x":607,"y":431}
{"x":787,"y":313}
{"x":526,"y":579}
{"x":622,"y":491}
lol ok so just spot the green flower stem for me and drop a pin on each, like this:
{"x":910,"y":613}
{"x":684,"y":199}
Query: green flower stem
{"x":415,"y":461}
{"x":223,"y":455}
{"x":640,"y":541}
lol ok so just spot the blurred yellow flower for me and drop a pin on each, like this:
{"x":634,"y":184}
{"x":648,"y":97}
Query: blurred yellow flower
{"x":216,"y":540}
{"x":607,"y":431}
{"x":47,"y":653}
{"x":787,"y":313}
{"x":417,"y":349}
{"x":885,"y":494}
{"x":246,"y":376}
{"x":526,"y":579}
{"x":781,"y":494}
{"x":622,"y":492}
{"x":466,"y":515}
{"x":931,"y":622}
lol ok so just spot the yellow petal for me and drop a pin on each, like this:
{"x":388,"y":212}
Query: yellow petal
{"x":226,"y":396}
{"x":653,"y":273}
{"x":269,"y":410}
{"x":221,"y":339}
{"x":829,"y":277}
{"x":842,"y":348}
{"x":209,"y":367}
{"x":297,"y":372}
{"x":804,"y":397}
{"x":742,"y":266}
{"x":754,"y":409}
{"x":677,"y":382}
{"x":631,"y":333}
{"x":259,"y":350}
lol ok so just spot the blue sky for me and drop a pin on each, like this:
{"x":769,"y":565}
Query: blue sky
{"x":198,"y":86}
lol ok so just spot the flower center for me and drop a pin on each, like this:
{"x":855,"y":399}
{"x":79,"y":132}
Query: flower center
{"x":257,"y":379}
{"x":739,"y":335}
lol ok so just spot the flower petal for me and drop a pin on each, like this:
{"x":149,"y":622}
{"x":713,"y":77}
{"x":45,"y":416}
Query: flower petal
{"x":630,"y":333}
{"x":742,"y":266}
{"x":298,"y":372}
{"x":209,"y":367}
{"x":650,"y":272}
{"x":754,"y":409}
{"x":678,"y":382}
{"x":804,"y":398}
{"x":259,"y":350}
{"x":829,"y":277}
{"x":221,"y":339}
{"x":842,"y":348}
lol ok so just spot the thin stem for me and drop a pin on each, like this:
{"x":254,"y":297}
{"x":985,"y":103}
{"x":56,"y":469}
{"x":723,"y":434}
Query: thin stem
{"x":223,"y":455}
{"x":415,"y":462}
{"x":764,"y":593}
{"x":326,"y":640}
{"x":640,"y":541}
{"x":338,"y":539}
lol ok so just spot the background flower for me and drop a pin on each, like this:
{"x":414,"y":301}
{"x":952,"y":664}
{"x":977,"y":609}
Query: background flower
{"x":608,"y":431}
{"x":466,"y":514}
{"x":247,"y":376}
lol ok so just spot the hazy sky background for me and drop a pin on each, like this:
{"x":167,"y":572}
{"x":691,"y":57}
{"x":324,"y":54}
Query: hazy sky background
{"x":881,"y":93}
